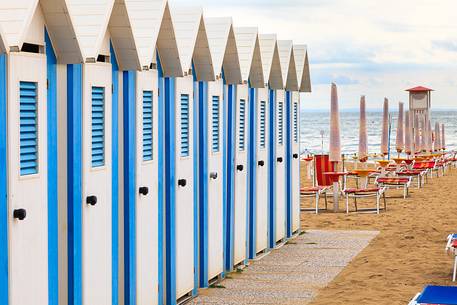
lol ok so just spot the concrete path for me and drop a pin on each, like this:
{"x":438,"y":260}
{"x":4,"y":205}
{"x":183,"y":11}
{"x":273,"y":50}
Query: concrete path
{"x":292,"y":274}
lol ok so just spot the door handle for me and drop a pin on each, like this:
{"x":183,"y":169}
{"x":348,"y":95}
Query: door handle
{"x":295,"y":156}
{"x":261,"y":163}
{"x":144,"y":190}
{"x":19,"y":214}
{"x":92,"y":200}
{"x":279,"y":159}
{"x":239,"y":168}
{"x":182,"y":182}
{"x":213,"y":175}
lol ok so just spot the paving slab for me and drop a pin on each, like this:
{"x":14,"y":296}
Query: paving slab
{"x":292,"y":274}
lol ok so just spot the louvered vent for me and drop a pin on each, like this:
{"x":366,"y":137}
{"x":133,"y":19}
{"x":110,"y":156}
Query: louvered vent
{"x":242,"y":137}
{"x":147,"y":126}
{"x":98,"y":126}
{"x":262,"y":126}
{"x":215,"y":131}
{"x":280,"y":123}
{"x":28,"y":128}
{"x":184,"y":125}
{"x":296,"y":122}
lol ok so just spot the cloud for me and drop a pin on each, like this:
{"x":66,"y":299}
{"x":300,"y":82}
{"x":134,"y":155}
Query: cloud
{"x":445,"y":45}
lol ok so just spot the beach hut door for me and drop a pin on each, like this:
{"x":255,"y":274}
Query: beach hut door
{"x":280,"y":212}
{"x":96,"y":205}
{"x":295,"y":164}
{"x":27,"y":180}
{"x":146,"y":188}
{"x":184,"y":187}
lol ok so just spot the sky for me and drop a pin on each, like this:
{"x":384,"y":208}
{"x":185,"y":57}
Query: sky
{"x":367,"y":47}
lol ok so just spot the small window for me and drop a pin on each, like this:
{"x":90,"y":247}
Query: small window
{"x":296,"y":122}
{"x":262,"y":124}
{"x":242,"y":127}
{"x":98,"y":126}
{"x":28,"y":128}
{"x":280,"y":123}
{"x":147,"y":126}
{"x":185,"y":125}
{"x":215,"y":116}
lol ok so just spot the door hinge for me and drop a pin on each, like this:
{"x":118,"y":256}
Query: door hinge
{"x":112,"y":88}
{"x":47,"y":83}
{"x":158,"y":92}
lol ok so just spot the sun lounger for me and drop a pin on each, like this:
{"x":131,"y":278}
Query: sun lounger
{"x":414,"y":173}
{"x":395,"y":182}
{"x":451,"y":247}
{"x":436,"y":295}
{"x":356,"y":193}
{"x":323,"y":185}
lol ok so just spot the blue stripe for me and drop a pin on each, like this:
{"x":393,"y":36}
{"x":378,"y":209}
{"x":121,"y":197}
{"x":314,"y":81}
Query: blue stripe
{"x":3,"y":185}
{"x":272,"y":171}
{"x":203,"y":186}
{"x":170,"y":188}
{"x":115,"y":180}
{"x":288,"y":164}
{"x":196,"y":186}
{"x":74,"y":188}
{"x":53,"y":247}
{"x":224,"y":174}
{"x":230,"y":170}
{"x":161,"y":175}
{"x":129,"y":187}
{"x":252,"y":160}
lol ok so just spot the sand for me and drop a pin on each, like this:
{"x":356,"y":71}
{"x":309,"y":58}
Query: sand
{"x":407,"y":254}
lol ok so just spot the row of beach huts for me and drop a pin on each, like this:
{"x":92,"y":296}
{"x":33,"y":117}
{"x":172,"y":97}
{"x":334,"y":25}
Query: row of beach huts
{"x":146,"y":151}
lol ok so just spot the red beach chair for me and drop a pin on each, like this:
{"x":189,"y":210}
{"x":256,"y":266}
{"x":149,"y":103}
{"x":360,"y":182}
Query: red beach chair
{"x":395,"y":182}
{"x":451,"y":247}
{"x":364,"y":193}
{"x":322,"y":183}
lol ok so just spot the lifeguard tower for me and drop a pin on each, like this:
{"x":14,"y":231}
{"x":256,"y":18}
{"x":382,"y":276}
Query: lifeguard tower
{"x":420,"y":102}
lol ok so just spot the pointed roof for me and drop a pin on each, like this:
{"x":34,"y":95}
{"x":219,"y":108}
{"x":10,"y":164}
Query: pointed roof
{"x":61,"y":31}
{"x":247,"y":41}
{"x":90,"y":22}
{"x":167,"y":47}
{"x":419,"y":89}
{"x":15,"y":19}
{"x":122,"y":37}
{"x":192,"y":42}
{"x":2,"y":44}
{"x":289,"y":74}
{"x":302,"y":67}
{"x":222,"y":45}
{"x":270,"y":60}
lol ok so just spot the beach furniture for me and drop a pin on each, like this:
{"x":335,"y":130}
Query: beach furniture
{"x":436,"y":295}
{"x":414,"y":174}
{"x":451,"y":247}
{"x":322,"y":183}
{"x":359,"y":193}
{"x":395,"y":182}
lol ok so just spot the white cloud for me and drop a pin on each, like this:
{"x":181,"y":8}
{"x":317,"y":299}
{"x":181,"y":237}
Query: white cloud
{"x":377,"y":48}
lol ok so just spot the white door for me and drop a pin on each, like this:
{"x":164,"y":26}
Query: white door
{"x":262,"y":171}
{"x":241,"y":181}
{"x":215,"y":178}
{"x":295,"y":164}
{"x":146,"y":187}
{"x":280,"y":213}
{"x":27,"y":180}
{"x":184,"y":221}
{"x":96,"y":205}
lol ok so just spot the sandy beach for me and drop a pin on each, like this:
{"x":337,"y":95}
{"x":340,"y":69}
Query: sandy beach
{"x":406,"y":255}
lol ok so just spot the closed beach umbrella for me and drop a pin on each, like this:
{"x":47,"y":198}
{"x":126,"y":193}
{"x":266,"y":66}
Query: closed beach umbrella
{"x":363,"y":137}
{"x":429,"y":135}
{"x":443,"y":138}
{"x":385,"y":128}
{"x":400,"y":140}
{"x":417,"y":135}
{"x":335,"y":144}
{"x":437,"y":145}
{"x":408,"y":135}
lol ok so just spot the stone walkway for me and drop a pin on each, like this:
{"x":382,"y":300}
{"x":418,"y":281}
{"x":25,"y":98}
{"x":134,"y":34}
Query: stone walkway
{"x":292,"y":274}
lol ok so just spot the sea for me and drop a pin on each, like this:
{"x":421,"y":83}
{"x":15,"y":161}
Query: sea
{"x":314,"y":130}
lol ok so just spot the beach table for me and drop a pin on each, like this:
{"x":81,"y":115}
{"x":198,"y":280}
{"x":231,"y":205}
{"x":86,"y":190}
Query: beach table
{"x":443,"y":295}
{"x":334,"y":177}
{"x":364,"y":173}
